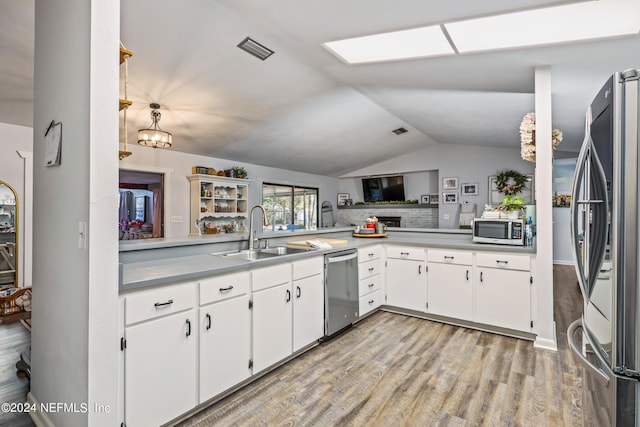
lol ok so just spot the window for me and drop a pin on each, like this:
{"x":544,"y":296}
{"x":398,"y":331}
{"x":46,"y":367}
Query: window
{"x":290,"y":207}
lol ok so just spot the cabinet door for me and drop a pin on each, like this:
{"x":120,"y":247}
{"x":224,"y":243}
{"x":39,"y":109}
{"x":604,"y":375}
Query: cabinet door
{"x":272,"y":326}
{"x":406,"y":284}
{"x":225,"y":345}
{"x":308,"y":311}
{"x":450,"y":290}
{"x":160,"y":369}
{"x":503,"y":298}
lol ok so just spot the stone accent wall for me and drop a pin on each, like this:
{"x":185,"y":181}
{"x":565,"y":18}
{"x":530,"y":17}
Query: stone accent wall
{"x":411,"y":217}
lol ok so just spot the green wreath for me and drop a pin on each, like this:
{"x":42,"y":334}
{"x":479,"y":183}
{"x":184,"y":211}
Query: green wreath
{"x":511,"y":182}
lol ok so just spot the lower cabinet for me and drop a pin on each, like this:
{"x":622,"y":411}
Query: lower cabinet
{"x":503,"y":298}
{"x":451,"y":290}
{"x":225,"y":345}
{"x":272,"y":325}
{"x":406,"y":284}
{"x":160,"y":369}
{"x":308,"y":311}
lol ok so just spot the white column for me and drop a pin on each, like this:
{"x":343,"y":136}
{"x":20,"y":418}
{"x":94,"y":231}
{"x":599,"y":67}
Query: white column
{"x":544,"y":324}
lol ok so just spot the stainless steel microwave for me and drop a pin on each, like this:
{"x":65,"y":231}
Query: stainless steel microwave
{"x":499,"y":231}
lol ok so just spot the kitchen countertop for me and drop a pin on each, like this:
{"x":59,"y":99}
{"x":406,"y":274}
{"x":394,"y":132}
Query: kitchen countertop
{"x":138,"y":275}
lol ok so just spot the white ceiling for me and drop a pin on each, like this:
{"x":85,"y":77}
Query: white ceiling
{"x":303,"y":109}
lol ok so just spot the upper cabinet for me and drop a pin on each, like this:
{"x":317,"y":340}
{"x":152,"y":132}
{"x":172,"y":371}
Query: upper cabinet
{"x":218,"y":204}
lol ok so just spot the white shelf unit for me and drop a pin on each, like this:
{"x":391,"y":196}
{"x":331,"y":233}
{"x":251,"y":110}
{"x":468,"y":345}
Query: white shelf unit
{"x":217,"y":199}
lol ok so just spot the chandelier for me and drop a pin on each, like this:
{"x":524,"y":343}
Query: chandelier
{"x":154,"y":136}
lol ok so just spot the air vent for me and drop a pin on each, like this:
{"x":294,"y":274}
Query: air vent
{"x":254,"y":48}
{"x":399,"y":131}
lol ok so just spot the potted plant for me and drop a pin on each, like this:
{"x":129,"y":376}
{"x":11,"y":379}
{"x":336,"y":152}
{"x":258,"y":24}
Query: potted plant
{"x":513,"y":205}
{"x":239,"y":172}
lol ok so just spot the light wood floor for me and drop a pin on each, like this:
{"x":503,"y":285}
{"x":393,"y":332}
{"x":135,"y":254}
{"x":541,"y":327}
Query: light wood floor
{"x":14,"y":339}
{"x":396,"y":370}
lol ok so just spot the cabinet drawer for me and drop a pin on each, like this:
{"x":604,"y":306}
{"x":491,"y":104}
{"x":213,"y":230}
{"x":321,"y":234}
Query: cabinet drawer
{"x":369,"y":253}
{"x":369,"y":268}
{"x":145,"y":305}
{"x":506,"y":261}
{"x":406,"y":252}
{"x":370,"y":302}
{"x":370,"y":284}
{"x":307,"y":267}
{"x":224,"y":287}
{"x":449,"y":256}
{"x":266,"y":277}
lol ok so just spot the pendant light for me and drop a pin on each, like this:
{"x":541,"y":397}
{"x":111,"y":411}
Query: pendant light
{"x":154,"y":136}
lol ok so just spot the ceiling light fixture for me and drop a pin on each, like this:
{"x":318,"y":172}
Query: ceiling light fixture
{"x":154,"y":136}
{"x":405,"y":44}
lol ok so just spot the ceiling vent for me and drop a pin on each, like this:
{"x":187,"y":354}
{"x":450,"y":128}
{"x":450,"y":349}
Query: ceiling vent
{"x":254,"y":48}
{"x":400,"y":131}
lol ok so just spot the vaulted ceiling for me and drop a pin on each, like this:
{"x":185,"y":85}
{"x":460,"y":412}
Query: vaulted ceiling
{"x":304,"y":109}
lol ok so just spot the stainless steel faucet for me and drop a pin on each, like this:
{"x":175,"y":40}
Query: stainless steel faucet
{"x":252,"y":232}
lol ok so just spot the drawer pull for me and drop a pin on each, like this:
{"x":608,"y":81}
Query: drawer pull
{"x":467,"y":275}
{"x":208,"y":321}
{"x":481,"y":277}
{"x":371,"y":254}
{"x":162,"y":304}
{"x":371,"y":302}
{"x":502,"y":262}
{"x":404,"y":253}
{"x":371,"y":269}
{"x":228,"y":288}
{"x":371,"y":285}
{"x":448,"y":257}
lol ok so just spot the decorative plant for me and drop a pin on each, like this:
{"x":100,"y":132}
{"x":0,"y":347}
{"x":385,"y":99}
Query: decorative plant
{"x":511,"y":182}
{"x":511,"y":203}
{"x":240,"y":172}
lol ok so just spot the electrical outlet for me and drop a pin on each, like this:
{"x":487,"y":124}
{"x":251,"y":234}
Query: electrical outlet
{"x":176,"y":219}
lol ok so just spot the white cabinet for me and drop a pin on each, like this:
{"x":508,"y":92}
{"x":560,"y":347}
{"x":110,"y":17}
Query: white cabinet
{"x":272,"y":315}
{"x":450,"y":284}
{"x":370,"y":278}
{"x":406,"y":278}
{"x":225,"y":333}
{"x":503,"y":290}
{"x":308,"y":302}
{"x":217,"y":200}
{"x":160,"y":355}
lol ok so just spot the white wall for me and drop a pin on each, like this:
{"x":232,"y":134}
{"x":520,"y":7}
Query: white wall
{"x":75,"y":293}
{"x":16,"y":139}
{"x":470,"y":164}
{"x":177,"y":166}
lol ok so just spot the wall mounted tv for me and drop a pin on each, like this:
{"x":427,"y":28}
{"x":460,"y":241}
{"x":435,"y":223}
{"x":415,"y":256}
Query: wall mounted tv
{"x":384,"y":188}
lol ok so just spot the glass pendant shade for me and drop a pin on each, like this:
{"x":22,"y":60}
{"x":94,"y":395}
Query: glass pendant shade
{"x":154,"y":136}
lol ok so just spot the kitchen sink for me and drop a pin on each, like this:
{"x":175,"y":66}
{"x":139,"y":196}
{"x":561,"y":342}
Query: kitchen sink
{"x":254,"y":254}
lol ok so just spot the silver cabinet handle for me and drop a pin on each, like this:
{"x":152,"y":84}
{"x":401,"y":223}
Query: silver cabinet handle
{"x":163,"y":304}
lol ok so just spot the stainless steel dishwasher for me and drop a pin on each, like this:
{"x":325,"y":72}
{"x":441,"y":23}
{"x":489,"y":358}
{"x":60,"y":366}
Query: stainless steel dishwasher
{"x":340,"y":290}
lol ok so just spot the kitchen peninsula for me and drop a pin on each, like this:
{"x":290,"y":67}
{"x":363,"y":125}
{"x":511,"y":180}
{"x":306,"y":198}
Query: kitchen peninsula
{"x":265,"y":312}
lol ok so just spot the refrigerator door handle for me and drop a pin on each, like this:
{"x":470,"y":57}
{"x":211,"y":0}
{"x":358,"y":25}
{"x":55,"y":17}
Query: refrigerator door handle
{"x":578,"y":180}
{"x":600,"y":374}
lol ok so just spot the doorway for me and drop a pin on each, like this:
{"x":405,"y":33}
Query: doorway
{"x":141,"y":205}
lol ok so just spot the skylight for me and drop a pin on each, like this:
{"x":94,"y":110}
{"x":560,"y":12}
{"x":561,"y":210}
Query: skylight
{"x":560,"y":24}
{"x":415,"y":43}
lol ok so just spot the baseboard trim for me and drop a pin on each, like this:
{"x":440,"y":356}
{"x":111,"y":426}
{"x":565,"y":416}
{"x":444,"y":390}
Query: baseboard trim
{"x":546,"y":343}
{"x":562,"y":262}
{"x":39,"y":418}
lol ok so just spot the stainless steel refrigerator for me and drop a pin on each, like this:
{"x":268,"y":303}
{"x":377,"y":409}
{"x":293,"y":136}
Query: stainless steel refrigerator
{"x":605,"y":227}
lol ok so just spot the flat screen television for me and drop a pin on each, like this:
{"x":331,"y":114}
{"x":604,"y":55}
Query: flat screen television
{"x":385,"y":188}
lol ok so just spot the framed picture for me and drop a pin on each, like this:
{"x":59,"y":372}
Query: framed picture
{"x":450,"y":183}
{"x":527,"y":193}
{"x":424,"y":199}
{"x":342,"y":199}
{"x":469,"y":189}
{"x":434,"y":199}
{"x":450,"y":197}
